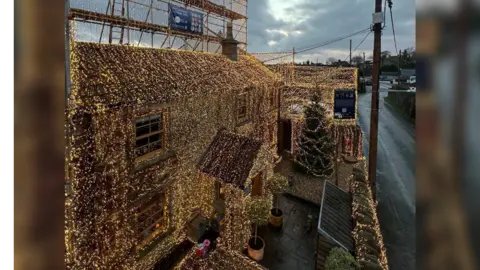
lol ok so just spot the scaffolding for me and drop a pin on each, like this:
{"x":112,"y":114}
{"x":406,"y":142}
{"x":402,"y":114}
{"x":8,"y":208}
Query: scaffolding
{"x":145,"y":23}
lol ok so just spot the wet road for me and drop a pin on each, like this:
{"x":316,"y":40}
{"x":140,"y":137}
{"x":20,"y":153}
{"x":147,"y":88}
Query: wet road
{"x":395,"y":179}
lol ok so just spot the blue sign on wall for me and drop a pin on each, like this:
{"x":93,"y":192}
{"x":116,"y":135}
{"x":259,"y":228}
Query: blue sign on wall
{"x":344,"y":104}
{"x":185,"y":20}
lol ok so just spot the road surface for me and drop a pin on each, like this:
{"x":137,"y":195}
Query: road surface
{"x":395,"y":178}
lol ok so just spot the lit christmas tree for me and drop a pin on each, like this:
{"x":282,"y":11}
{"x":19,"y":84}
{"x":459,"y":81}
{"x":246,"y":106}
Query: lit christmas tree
{"x":316,"y":148}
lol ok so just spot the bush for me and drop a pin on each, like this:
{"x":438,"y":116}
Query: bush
{"x":298,"y":168}
{"x":340,"y":259}
{"x":258,"y":210}
{"x":277,"y":184}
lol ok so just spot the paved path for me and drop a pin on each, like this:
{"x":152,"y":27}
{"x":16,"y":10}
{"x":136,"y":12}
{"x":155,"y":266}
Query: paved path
{"x":395,"y":179}
{"x":294,"y":247}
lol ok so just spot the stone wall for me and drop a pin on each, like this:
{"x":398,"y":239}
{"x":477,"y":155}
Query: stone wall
{"x":403,"y":101}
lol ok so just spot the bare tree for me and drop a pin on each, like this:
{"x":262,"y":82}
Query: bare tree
{"x":357,"y":60}
{"x":385,"y":54}
{"x":331,"y":60}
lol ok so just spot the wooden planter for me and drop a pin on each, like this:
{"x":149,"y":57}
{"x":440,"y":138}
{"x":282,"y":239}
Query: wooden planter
{"x":276,"y":217}
{"x":256,"y":251}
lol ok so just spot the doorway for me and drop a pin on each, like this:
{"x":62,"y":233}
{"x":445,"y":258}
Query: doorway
{"x":257,"y":184}
{"x":284,"y":136}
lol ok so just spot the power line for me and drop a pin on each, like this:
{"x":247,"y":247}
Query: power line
{"x":323,"y":44}
{"x":359,"y":44}
{"x":384,"y":12}
{"x":314,"y":46}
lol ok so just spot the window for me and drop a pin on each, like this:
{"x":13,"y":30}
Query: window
{"x":272,"y":99}
{"x":149,"y":134}
{"x":242,"y":107}
{"x":151,"y":218}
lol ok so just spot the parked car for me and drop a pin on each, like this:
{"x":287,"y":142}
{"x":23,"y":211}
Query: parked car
{"x":368,"y":82}
{"x":412,"y":80}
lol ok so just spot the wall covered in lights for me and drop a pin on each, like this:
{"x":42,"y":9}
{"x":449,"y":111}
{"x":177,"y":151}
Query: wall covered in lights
{"x":295,"y":97}
{"x":139,"y":119}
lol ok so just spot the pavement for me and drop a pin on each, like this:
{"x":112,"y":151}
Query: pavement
{"x":395,"y":178}
{"x":294,"y":246}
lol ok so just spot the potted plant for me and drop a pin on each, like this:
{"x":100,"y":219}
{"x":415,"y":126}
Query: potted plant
{"x":277,"y":184}
{"x":258,"y":211}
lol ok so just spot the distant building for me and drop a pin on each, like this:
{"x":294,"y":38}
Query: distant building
{"x":407,"y":72}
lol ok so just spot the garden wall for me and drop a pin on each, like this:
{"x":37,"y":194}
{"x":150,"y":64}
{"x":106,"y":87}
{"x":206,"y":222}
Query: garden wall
{"x":403,"y":101}
{"x":370,"y":252}
{"x":341,"y":132}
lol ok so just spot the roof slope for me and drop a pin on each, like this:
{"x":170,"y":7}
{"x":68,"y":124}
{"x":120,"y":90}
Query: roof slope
{"x":230,"y":157}
{"x":221,"y":259}
{"x":115,"y":74}
{"x":317,"y":76}
{"x":335,"y":219}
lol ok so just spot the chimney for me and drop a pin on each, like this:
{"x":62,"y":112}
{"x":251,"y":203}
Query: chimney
{"x":229,"y":44}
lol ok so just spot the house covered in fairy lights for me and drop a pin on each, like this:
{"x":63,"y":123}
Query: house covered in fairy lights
{"x":157,"y":138}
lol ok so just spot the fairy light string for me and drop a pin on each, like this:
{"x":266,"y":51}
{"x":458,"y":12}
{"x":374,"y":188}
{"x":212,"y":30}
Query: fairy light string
{"x":370,"y":249}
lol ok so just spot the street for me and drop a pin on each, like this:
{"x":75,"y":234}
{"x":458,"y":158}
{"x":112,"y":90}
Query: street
{"x":395,"y":178}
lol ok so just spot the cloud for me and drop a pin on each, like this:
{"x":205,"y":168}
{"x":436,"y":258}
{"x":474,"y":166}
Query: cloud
{"x":279,"y":25}
{"x":316,"y":22}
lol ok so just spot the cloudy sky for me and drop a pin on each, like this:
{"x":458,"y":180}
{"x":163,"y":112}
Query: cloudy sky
{"x":279,"y":25}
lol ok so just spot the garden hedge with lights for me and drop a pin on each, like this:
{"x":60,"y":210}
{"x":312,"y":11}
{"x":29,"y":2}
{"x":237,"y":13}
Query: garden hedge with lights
{"x":370,"y":250}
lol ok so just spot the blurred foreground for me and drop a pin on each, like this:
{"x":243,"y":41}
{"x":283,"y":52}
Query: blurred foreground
{"x":448,"y":150}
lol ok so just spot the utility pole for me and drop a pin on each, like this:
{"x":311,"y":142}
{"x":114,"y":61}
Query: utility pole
{"x":363,"y":66}
{"x":67,"y":52}
{"x":293,"y":69}
{"x":377,"y":46}
{"x":350,"y":52}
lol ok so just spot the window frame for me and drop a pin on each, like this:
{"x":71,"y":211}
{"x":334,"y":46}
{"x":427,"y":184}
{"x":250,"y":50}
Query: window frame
{"x":161,"y":131}
{"x":159,"y":199}
{"x":242,"y":118}
{"x":272,"y":99}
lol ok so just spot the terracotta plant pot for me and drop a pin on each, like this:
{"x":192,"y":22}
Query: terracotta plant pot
{"x":276,"y":217}
{"x":255,"y":251}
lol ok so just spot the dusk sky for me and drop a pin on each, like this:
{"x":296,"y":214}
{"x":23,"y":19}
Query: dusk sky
{"x":279,"y":25}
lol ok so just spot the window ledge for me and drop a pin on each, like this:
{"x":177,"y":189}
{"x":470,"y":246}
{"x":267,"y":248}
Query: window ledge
{"x":153,"y":158}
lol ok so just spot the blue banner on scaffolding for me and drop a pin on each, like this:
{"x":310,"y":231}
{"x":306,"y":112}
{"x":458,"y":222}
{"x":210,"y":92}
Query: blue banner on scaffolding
{"x":185,"y":20}
{"x":344,"y":104}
